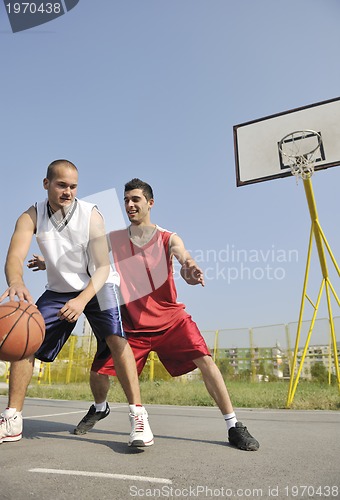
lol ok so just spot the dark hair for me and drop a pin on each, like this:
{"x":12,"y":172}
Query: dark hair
{"x":138,"y":184}
{"x":58,"y":163}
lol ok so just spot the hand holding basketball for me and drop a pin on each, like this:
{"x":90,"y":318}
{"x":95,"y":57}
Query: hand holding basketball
{"x":18,"y":290}
{"x":22,"y":330}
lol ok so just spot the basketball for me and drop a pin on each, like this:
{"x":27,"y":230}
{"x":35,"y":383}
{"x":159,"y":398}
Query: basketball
{"x":22,"y":330}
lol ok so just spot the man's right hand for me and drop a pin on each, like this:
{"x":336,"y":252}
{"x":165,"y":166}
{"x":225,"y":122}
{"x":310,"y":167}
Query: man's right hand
{"x":17,"y":290}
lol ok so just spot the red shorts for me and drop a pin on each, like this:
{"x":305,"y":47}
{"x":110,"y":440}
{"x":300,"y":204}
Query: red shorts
{"x":176,"y":347}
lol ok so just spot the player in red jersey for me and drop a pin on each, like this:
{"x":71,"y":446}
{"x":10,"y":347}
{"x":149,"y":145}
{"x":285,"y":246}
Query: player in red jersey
{"x":153,"y":320}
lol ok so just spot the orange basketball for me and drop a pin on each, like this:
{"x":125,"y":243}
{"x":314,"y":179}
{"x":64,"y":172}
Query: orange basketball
{"x":22,"y":330}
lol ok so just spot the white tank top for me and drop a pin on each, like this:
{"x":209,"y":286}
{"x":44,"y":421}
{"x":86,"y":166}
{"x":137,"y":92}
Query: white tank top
{"x":65,"y":248}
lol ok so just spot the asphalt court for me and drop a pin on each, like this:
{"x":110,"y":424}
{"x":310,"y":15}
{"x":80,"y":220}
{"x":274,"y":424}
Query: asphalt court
{"x":191,"y":458}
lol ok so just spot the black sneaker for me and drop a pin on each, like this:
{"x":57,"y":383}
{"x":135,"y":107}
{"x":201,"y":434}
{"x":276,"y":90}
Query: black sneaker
{"x":240,"y":437}
{"x":90,"y":419}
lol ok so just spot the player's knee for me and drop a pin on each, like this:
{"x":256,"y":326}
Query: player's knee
{"x":204,"y":362}
{"x":116,"y":343}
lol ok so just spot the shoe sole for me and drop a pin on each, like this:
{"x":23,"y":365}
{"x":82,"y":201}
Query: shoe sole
{"x":245,"y":448}
{"x":78,"y":432}
{"x":138,"y":443}
{"x":83,"y":430}
{"x":10,"y":439}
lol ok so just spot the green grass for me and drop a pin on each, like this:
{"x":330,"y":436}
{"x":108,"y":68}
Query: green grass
{"x":308,"y":396}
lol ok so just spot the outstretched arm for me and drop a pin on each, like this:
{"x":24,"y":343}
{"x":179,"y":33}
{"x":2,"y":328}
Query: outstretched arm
{"x":190,"y":271}
{"x":17,"y":252}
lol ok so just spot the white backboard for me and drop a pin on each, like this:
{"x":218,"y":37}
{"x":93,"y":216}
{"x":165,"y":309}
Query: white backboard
{"x":257,"y":154}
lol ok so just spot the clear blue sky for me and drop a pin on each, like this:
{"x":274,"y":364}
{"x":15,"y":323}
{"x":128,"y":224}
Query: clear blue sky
{"x":152,"y":89}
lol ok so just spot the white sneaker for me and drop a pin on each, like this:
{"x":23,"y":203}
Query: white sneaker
{"x":141,"y":434}
{"x":10,"y":428}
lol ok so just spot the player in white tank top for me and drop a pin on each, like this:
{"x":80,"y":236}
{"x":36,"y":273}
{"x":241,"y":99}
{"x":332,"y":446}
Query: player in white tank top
{"x":72,"y":238}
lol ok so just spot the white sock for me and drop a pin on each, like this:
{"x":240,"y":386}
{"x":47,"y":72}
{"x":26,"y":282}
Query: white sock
{"x":100,"y":406}
{"x":10,"y":412}
{"x":230,"y":419}
{"x":133,"y":408}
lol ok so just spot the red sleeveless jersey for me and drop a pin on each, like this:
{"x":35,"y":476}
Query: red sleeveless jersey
{"x":148,"y":291}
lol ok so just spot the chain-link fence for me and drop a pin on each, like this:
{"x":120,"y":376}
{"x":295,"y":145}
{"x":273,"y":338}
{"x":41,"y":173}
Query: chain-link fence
{"x":259,"y":354}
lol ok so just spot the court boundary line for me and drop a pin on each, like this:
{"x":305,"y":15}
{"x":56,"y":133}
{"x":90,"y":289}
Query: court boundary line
{"x":57,"y":414}
{"x":124,"y":477}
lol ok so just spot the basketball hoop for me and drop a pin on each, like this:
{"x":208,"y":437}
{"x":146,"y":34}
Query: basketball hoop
{"x":299,"y":148}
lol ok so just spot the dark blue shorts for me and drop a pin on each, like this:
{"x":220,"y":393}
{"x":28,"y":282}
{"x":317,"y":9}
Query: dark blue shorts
{"x":102,"y":312}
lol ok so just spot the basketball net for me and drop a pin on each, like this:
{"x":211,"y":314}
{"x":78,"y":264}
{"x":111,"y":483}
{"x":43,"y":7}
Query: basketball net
{"x":300,"y":151}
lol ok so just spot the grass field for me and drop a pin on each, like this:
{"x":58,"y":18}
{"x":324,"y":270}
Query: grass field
{"x":308,"y":396}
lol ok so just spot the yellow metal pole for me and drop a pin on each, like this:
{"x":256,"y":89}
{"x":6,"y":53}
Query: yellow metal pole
{"x":47,"y":373}
{"x":335,"y":349}
{"x":152,"y":365}
{"x":41,"y":370}
{"x":320,"y":241}
{"x":307,"y":183}
{"x":334,"y":292}
{"x":298,"y":332}
{"x":289,"y":349}
{"x":329,"y":361}
{"x":306,"y":344}
{"x":70,"y":360}
{"x":328,"y":247}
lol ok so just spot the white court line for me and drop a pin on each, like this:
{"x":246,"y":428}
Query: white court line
{"x":65,"y":413}
{"x":103,"y":474}
{"x":54,"y":414}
